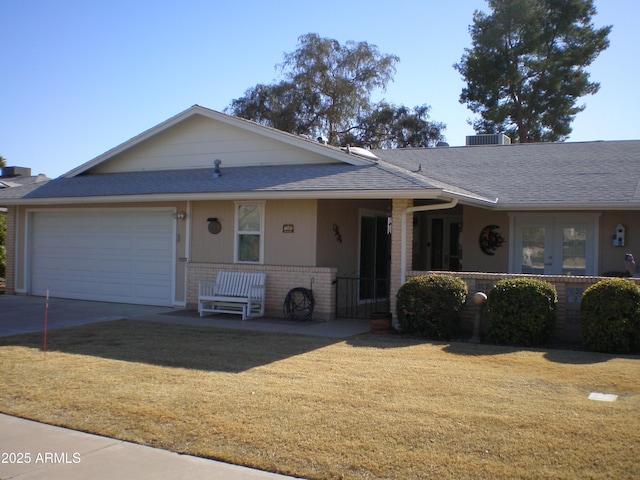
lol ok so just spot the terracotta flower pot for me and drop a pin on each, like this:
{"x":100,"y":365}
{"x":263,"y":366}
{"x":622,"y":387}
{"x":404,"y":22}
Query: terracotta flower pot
{"x":381,"y":322}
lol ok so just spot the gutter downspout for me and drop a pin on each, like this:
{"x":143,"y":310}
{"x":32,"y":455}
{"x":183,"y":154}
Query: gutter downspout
{"x":403,"y":247}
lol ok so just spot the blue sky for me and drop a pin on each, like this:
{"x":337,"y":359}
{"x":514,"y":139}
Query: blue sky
{"x":81,"y":77}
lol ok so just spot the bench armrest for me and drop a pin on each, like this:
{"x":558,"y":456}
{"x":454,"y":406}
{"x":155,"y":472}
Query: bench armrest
{"x":257,"y":291}
{"x":207,"y":289}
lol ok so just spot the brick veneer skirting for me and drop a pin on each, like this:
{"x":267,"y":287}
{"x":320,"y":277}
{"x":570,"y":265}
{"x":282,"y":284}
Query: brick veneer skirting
{"x":280,"y":279}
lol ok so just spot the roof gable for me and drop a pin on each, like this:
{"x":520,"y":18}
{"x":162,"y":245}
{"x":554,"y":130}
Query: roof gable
{"x":197,"y":136}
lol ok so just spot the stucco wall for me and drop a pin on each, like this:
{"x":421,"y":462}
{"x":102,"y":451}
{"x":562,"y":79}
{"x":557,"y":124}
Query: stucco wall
{"x":280,"y":248}
{"x":612,"y":258}
{"x":292,"y":248}
{"x":339,"y":232}
{"x":473,"y":258}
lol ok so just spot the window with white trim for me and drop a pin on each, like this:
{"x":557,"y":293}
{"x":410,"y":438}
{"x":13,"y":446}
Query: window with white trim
{"x":249,"y":244}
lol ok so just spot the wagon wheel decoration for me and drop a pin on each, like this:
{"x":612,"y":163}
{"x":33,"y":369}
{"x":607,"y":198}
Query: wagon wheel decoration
{"x":299,"y":304}
{"x":490,"y":240}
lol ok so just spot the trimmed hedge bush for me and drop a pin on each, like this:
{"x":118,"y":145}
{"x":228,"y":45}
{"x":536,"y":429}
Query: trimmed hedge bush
{"x":429,"y":306}
{"x":610,"y":314}
{"x":522,"y":312}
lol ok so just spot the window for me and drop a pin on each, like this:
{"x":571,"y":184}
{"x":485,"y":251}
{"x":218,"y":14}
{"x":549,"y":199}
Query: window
{"x":249,"y":244}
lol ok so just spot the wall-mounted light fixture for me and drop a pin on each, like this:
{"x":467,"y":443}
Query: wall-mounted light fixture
{"x":181,"y":215}
{"x":214,"y":226}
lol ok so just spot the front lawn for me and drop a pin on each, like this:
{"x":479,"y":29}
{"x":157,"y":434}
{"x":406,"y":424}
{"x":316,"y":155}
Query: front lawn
{"x":365,"y":408}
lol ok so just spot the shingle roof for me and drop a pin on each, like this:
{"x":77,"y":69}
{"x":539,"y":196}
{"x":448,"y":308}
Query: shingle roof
{"x":259,"y":179}
{"x":546,"y":175}
{"x":542,"y":174}
{"x":18,"y":187}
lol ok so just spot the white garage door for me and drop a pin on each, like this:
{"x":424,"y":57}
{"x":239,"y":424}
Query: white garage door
{"x":122,"y":256}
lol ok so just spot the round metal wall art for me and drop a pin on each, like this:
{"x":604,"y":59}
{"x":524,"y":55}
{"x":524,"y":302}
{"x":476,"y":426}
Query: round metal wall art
{"x":490,"y":240}
{"x":214,"y":227}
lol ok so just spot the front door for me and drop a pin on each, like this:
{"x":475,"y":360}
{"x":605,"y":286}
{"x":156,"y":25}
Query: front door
{"x":558,"y":245}
{"x":375,"y":251}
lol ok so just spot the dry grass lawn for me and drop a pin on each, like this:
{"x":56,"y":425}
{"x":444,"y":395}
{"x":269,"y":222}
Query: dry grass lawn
{"x":369,"y":407}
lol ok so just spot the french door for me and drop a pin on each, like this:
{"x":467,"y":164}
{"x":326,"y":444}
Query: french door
{"x":555,"y":245}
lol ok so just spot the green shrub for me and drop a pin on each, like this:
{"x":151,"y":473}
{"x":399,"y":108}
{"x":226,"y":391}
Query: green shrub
{"x":610,"y":314}
{"x":430,"y":306}
{"x":521,"y":312}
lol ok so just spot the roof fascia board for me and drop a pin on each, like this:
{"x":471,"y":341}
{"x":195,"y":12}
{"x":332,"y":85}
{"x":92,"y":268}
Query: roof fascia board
{"x":248,"y":125}
{"x":325,"y":194}
{"x":471,"y":199}
{"x":433,"y":194}
{"x":379,"y":194}
{"x":569,"y":206}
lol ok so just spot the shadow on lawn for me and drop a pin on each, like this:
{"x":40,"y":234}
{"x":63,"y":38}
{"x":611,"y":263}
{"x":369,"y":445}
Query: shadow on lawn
{"x":556,"y":355}
{"x":178,"y":346}
{"x":569,"y":356}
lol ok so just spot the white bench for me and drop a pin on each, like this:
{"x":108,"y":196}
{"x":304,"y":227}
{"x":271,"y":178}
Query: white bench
{"x":233,"y":292}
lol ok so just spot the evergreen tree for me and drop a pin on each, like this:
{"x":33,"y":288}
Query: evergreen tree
{"x":526,"y":69}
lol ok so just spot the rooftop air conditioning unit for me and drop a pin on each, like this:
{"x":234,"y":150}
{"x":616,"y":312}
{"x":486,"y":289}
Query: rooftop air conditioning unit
{"x":488,"y":139}
{"x":9,"y":172}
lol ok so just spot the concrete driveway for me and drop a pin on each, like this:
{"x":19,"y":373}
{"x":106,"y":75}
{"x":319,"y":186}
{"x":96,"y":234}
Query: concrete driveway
{"x":22,"y":314}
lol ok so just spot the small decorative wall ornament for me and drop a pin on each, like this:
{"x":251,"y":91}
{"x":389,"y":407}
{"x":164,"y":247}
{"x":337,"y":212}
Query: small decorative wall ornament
{"x":490,"y":240}
{"x":214,"y":226}
{"x":336,"y":232}
{"x":287,"y":228}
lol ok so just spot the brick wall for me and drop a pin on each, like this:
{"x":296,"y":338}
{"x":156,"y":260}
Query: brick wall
{"x":569,"y":290}
{"x":280,"y":279}
{"x":399,"y":205}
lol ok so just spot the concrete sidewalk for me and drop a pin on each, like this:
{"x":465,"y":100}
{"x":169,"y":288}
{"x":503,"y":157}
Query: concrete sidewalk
{"x":32,"y":450}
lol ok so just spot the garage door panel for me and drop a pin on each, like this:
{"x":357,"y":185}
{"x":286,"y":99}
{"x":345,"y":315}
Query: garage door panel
{"x":120,"y":256}
{"x":113,"y":244}
{"x":154,"y":272}
{"x":115,"y":269}
{"x":115,"y":288}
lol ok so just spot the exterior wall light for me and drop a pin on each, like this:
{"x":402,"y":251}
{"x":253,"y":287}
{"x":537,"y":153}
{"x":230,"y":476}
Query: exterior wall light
{"x":181,"y":215}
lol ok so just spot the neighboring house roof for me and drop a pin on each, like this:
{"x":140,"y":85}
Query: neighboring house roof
{"x":20,"y":181}
{"x":534,"y":176}
{"x":18,"y":187}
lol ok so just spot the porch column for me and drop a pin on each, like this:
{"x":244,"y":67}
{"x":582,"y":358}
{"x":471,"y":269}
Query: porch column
{"x":399,"y":206}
